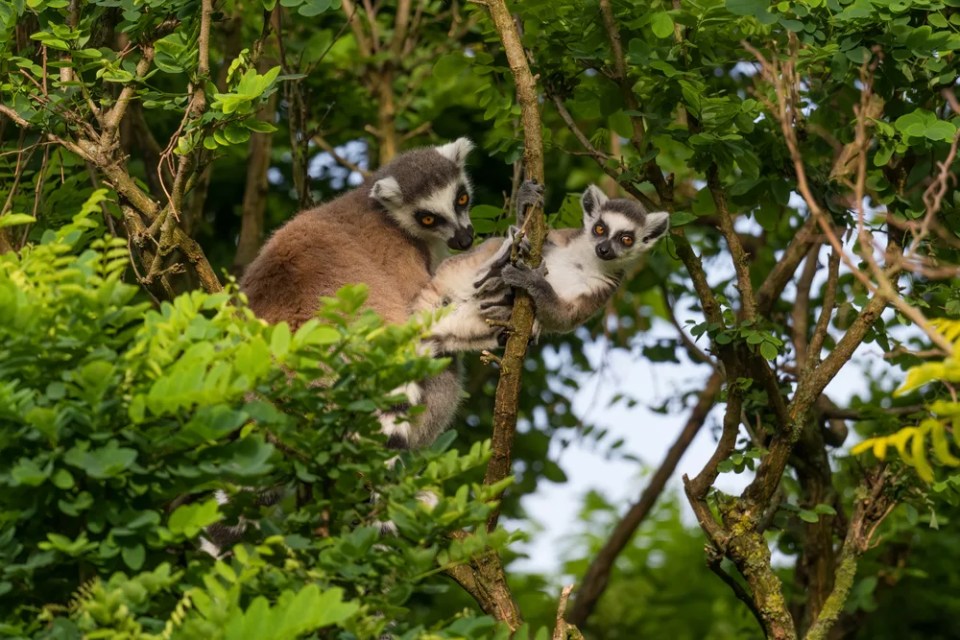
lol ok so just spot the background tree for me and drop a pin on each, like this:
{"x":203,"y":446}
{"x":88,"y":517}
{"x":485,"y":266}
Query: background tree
{"x":807,"y":154}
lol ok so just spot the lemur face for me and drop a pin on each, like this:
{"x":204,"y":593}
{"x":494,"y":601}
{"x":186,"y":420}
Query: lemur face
{"x":620,"y":229}
{"x":427,"y":193}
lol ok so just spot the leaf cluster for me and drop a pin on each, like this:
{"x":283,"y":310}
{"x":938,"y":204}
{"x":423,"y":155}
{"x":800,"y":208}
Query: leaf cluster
{"x":121,"y":421}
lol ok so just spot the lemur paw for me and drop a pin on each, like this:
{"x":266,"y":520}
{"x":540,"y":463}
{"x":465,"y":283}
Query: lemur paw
{"x":530,"y":194}
{"x":521,"y":274}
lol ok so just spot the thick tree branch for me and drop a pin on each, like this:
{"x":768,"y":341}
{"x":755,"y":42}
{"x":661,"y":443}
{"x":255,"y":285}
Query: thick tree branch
{"x":785,"y":268}
{"x":521,"y":320}
{"x":595,"y":580}
{"x":694,"y":265}
{"x":700,"y":485}
{"x":484,"y":579}
{"x":874,"y":503}
{"x":112,"y":118}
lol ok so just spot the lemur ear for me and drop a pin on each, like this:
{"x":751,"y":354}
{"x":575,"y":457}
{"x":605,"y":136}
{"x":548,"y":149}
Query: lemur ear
{"x":655,"y":226}
{"x":387,"y":192}
{"x":592,"y":201}
{"x":456,"y":151}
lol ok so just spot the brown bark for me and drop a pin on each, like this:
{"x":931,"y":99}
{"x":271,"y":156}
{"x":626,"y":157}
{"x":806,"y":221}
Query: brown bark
{"x":521,"y":320}
{"x":484,"y":579}
{"x":595,"y":580}
{"x":816,"y":563}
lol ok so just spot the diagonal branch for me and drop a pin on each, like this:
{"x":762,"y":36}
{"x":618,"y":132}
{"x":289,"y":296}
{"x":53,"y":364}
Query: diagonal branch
{"x":741,"y":264}
{"x":599,"y":156}
{"x":598,"y":574}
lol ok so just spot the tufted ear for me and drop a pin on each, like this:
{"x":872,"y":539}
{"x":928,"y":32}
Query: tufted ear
{"x":654,"y":226}
{"x":387,"y":192}
{"x":456,"y":151}
{"x":592,"y":201}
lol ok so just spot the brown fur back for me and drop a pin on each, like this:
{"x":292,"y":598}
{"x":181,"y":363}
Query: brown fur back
{"x":345,"y":241}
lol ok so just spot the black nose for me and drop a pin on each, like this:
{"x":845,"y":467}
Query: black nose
{"x":604,"y":252}
{"x":462,"y":239}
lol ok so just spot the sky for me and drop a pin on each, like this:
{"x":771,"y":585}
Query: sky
{"x":648,"y":434}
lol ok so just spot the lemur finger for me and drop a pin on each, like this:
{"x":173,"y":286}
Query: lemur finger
{"x":502,"y":302}
{"x":486,"y":286}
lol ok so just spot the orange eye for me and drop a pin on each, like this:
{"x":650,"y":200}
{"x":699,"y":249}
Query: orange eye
{"x":427,"y":221}
{"x":627,"y":241}
{"x":463,"y":199}
{"x":599,"y":230}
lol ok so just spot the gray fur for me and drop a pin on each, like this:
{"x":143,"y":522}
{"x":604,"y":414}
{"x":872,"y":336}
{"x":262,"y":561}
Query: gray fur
{"x":579,"y":272}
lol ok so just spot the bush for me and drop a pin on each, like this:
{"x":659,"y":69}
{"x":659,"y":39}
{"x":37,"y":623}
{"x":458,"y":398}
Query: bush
{"x":121,"y":420}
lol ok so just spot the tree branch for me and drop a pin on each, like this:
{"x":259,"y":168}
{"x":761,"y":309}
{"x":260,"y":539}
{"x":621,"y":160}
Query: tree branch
{"x":826,"y":312}
{"x":741,"y":264}
{"x":873,"y":505}
{"x":801,"y":306}
{"x":599,"y":156}
{"x":598,"y":574}
{"x":785,"y":268}
{"x":521,"y":319}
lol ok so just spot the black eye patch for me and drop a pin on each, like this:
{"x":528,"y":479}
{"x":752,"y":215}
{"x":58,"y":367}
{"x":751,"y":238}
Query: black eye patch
{"x":428,"y":219}
{"x":462,"y":201}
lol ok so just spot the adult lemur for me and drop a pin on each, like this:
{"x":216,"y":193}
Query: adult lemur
{"x":390,"y":234}
{"x":581,"y":269}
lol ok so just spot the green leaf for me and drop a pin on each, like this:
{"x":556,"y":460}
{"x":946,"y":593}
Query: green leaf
{"x":662,"y":25}
{"x":134,"y":556}
{"x":449,"y":66}
{"x":190,"y":519}
{"x":102,"y":463}
{"x":681,"y":218}
{"x":236,"y":134}
{"x":758,"y":9}
{"x":14,"y":219}
{"x":259,"y":126}
{"x":28,"y":472}
{"x":768,"y":351}
{"x":940,"y":130}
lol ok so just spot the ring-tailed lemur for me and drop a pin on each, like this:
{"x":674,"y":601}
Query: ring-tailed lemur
{"x":581,"y":269}
{"x":390,"y":234}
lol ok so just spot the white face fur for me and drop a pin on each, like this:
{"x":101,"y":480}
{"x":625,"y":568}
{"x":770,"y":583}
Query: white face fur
{"x":440,"y":215}
{"x":619,"y":229}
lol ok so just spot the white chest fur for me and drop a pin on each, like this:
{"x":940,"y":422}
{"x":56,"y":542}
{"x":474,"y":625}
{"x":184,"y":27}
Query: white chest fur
{"x":573,"y":270}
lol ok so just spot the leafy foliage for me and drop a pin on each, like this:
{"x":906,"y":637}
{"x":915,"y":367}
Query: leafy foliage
{"x":113,"y":410}
{"x":913,"y":443}
{"x":120,"y":421}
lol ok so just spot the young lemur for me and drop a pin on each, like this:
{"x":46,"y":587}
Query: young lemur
{"x":581,"y":269}
{"x":390,"y":234}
